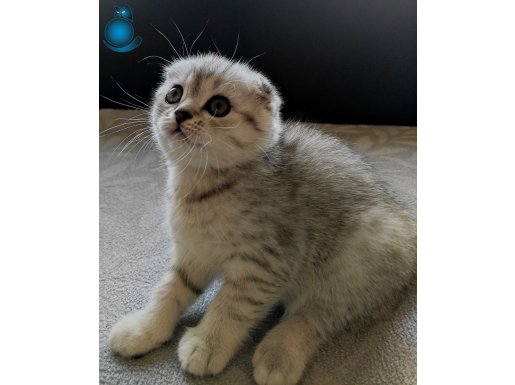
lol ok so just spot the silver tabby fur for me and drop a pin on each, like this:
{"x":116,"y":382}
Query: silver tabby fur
{"x":282,"y":213}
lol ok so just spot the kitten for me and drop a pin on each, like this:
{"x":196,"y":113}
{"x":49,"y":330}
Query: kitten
{"x":285,"y":214}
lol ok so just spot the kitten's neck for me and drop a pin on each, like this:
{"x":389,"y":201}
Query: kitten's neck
{"x":193,"y":183}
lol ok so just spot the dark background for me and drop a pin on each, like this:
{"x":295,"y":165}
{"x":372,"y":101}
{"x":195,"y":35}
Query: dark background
{"x":348,"y":61}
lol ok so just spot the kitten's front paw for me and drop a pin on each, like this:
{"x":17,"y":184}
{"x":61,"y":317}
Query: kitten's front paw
{"x":199,"y":354}
{"x":138,"y":333}
{"x":274,"y":364}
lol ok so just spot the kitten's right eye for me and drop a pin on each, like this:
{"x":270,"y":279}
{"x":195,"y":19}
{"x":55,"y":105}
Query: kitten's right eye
{"x":174,"y":95}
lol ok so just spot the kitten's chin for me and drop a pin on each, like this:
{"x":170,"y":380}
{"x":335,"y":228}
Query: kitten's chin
{"x":199,"y":159}
{"x":178,"y":135}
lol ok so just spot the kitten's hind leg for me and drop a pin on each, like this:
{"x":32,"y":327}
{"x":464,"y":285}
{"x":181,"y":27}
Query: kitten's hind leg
{"x":146,"y":329}
{"x":282,"y":356}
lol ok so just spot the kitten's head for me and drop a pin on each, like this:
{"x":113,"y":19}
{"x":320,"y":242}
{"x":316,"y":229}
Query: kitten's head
{"x":212,"y":112}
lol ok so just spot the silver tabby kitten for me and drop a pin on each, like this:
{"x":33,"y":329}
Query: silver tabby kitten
{"x":284,"y":214}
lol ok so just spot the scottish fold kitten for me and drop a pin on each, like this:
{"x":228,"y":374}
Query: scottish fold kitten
{"x":284,"y":214}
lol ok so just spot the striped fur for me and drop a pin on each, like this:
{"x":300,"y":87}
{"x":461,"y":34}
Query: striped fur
{"x":285,"y":214}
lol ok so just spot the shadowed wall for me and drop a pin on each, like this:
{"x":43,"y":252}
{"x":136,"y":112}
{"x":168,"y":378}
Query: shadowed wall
{"x":349,"y":61}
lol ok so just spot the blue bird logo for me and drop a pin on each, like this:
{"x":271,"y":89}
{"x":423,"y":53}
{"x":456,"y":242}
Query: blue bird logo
{"x":119,"y":31}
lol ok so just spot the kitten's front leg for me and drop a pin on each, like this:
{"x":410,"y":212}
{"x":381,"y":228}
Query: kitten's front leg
{"x":240,"y":304}
{"x":146,"y":329}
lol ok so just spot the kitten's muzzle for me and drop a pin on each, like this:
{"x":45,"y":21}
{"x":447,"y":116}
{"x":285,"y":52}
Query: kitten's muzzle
{"x":181,"y":116}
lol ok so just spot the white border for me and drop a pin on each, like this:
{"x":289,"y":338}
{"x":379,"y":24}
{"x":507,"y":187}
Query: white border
{"x":466,"y":192}
{"x":49,"y":158}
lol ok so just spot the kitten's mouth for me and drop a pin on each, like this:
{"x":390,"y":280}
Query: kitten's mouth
{"x":178,"y":134}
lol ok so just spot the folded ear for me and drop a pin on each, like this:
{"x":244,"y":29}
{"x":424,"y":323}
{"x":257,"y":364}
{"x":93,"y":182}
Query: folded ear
{"x":268,"y":95}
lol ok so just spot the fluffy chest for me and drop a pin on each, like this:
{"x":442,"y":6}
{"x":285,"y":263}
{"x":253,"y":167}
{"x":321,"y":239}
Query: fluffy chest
{"x":211,"y":226}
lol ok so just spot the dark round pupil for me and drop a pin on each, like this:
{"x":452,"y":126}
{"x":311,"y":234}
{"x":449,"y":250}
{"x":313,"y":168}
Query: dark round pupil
{"x":218,"y":106}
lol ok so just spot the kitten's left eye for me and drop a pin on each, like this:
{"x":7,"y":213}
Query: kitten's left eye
{"x":218,"y":106}
{"x":174,"y":95}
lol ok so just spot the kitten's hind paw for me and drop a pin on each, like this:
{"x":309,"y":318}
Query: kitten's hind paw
{"x":275,"y":365}
{"x":137,"y":333}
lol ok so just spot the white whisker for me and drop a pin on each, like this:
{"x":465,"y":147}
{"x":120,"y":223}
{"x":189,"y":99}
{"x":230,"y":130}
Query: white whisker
{"x":200,"y":34}
{"x":155,"y":56}
{"x":132,"y":140}
{"x":131,"y":126}
{"x":187,"y":164}
{"x":191,"y":150}
{"x":124,"y":139}
{"x":131,"y":104}
{"x":126,"y":93}
{"x":217,"y":49}
{"x":144,"y":145}
{"x":255,"y":57}
{"x":200,"y":178}
{"x":169,"y":42}
{"x":184,"y":45}
{"x":235,"y":48}
{"x":123,"y":104}
{"x":133,"y":117}
{"x":122,"y":124}
{"x":229,"y":127}
{"x":210,"y":140}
